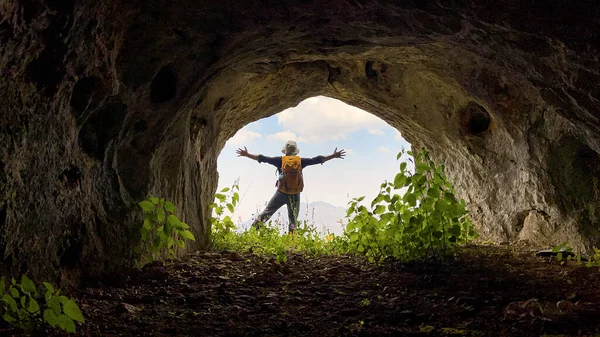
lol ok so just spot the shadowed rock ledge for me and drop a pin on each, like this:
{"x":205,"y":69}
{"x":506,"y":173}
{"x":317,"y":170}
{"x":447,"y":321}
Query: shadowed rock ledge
{"x":103,"y":103}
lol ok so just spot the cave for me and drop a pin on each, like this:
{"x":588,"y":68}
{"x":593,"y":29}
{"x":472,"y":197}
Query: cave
{"x":105,"y":103}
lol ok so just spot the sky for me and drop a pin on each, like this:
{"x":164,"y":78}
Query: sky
{"x":318,"y":125}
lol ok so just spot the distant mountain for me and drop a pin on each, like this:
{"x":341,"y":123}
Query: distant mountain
{"x":323,"y":216}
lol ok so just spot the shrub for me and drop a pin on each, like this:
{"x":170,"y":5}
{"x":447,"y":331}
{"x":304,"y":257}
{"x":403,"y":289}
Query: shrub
{"x":25,"y":306}
{"x":426,"y":221}
{"x":162,"y":233}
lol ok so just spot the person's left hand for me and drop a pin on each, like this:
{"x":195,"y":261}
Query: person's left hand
{"x":338,"y":154}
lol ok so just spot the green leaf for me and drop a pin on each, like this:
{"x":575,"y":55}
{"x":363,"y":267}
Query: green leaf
{"x":187,"y":235}
{"x":63,"y":299}
{"x":50,"y":317}
{"x":33,"y":306}
{"x":455,"y":230}
{"x":421,"y":167}
{"x":411,"y":199}
{"x":173,"y":220}
{"x":147,"y":224}
{"x":54,"y":304}
{"x":183,"y":225}
{"x":230,"y":208}
{"x":10,"y":301}
{"x":441,"y":206}
{"x":65,"y":323}
{"x":8,"y":318}
{"x":225,"y":190}
{"x":379,"y":209}
{"x":403,"y":166}
{"x":180,"y":243}
{"x":160,"y":215}
{"x":221,"y":197}
{"x":147,"y":206}
{"x":72,"y":310}
{"x":360,"y":199}
{"x":170,"y":207}
{"x":14,"y":292}
{"x":437,"y":234}
{"x":155,"y":201}
{"x":49,"y":287}
{"x":399,"y":180}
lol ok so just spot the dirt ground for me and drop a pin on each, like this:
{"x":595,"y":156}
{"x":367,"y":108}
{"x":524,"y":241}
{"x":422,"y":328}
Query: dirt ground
{"x":483,"y":291}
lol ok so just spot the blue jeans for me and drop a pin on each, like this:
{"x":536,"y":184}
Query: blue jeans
{"x":279,"y":199}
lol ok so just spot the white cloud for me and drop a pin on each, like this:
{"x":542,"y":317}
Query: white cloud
{"x":243,"y":137}
{"x":376,"y":132}
{"x":284,"y":136}
{"x":399,"y":136}
{"x":383,"y":149}
{"x":349,"y":151}
{"x":319,"y":119}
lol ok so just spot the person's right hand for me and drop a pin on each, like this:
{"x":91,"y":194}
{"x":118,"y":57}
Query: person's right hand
{"x":242,"y":153}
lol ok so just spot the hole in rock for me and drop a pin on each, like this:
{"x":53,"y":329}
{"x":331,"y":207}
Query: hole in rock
{"x":62,"y":6}
{"x":2,"y":216}
{"x":476,"y":119}
{"x":73,"y":251}
{"x":141,"y":125}
{"x":369,"y":71}
{"x":71,"y":176}
{"x":82,"y":92}
{"x":45,"y":72}
{"x":101,"y":128}
{"x":371,"y":146}
{"x":164,"y":86}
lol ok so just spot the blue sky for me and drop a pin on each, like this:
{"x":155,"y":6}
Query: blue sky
{"x":319,"y":125}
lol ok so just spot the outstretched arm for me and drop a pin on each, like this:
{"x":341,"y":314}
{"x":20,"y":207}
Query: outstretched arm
{"x":336,"y":154}
{"x":244,"y":153}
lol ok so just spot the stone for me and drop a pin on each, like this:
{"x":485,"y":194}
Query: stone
{"x":105,"y":103}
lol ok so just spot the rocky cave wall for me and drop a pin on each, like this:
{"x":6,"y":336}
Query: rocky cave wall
{"x":104,"y":103}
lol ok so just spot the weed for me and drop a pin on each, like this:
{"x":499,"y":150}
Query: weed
{"x":162,"y":233}
{"x":24,"y":305}
{"x":426,"y":221}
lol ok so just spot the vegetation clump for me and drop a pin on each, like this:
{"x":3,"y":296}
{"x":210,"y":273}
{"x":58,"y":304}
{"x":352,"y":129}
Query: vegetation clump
{"x":425,"y":221}
{"x":25,"y":305}
{"x":162,"y":232}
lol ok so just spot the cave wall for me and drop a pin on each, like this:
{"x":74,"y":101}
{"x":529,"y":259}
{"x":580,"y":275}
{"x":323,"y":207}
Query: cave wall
{"x":105,"y":103}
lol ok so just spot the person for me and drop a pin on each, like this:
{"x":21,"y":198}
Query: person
{"x":290,"y":182}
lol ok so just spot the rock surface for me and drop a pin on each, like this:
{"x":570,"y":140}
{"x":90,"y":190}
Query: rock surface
{"x":106,"y":102}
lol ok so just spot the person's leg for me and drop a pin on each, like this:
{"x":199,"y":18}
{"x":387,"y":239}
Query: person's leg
{"x":293,"y":207}
{"x":278,"y":200}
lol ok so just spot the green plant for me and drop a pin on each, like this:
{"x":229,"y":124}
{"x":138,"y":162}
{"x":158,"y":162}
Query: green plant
{"x":222,"y":227}
{"x":591,"y":261}
{"x":162,"y":232}
{"x":266,"y":241}
{"x":426,"y":221}
{"x":24,"y":305}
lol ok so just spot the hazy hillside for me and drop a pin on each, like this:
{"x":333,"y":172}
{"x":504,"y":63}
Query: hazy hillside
{"x":325,"y":217}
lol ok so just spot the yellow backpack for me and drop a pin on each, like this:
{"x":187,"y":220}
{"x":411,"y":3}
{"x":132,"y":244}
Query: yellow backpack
{"x":291,"y":182}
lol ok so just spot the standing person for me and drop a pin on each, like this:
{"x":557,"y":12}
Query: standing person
{"x":290,"y":182}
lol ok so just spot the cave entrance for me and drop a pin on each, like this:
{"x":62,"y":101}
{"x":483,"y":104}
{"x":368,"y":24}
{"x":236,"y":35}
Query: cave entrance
{"x":318,"y":124}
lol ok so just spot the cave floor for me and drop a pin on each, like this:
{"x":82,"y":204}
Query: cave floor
{"x":230,"y":294}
